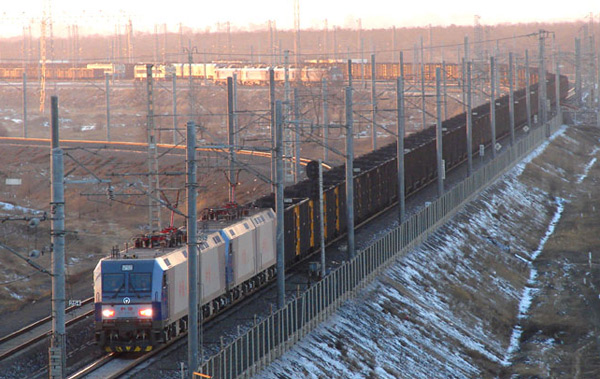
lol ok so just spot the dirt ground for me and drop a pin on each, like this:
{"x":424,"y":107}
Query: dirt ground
{"x":560,"y":336}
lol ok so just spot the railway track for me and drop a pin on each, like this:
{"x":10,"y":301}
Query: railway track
{"x":27,"y":336}
{"x":129,"y":146}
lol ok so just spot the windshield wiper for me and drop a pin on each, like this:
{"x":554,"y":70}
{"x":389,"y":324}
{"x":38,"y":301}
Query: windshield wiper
{"x":132,"y":287}
{"x":119,"y":289}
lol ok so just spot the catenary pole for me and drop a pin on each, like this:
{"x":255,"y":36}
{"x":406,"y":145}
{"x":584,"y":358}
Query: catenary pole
{"x":25,"y":105}
{"x":511,"y":97}
{"x":438,"y":135}
{"x":493,"y":104}
{"x":325,"y":121}
{"x":107,"y":90}
{"x":296,"y":136}
{"x":373,"y":105}
{"x":192,"y":251}
{"x":528,"y":91}
{"x":279,"y":205}
{"x":57,"y":366}
{"x":469,"y":122}
{"x":273,"y":127}
{"x":400,"y":147}
{"x":230,"y":137}
{"x":349,"y":172}
{"x":321,"y":219}
{"x":174,"y":109}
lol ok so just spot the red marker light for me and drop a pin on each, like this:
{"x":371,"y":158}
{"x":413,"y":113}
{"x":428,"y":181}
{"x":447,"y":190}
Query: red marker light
{"x":146,"y":312}
{"x":108,"y":313}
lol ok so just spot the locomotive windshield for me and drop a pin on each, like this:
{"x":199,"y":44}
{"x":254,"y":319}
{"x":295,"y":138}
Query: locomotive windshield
{"x":140,"y":282}
{"x":113,"y":282}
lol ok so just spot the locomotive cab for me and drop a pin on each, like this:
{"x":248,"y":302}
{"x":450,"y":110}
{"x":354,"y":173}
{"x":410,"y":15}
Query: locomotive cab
{"x":130,"y":304}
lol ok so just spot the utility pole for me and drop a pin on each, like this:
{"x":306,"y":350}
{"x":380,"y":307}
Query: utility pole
{"x":190,"y":52}
{"x":350,"y":172}
{"x":273,"y":127}
{"x":279,"y":209}
{"x":24,"y":105}
{"x":373,"y":105}
{"x":153,"y":183}
{"x":350,"y":73}
{"x":445,"y":74}
{"x":542,"y":84}
{"x":296,"y":136}
{"x":192,"y":251}
{"x":493,"y":104}
{"x":557,"y":90}
{"x":57,"y":366}
{"x":400,"y":147}
{"x":578,"y":85}
{"x":175,"y":108}
{"x":469,"y":122}
{"x":325,"y":122}
{"x":598,"y":103}
{"x":230,"y":138}
{"x":321,"y":219}
{"x":423,"y":109}
{"x":528,"y":91}
{"x":511,"y":97}
{"x":440,"y":162}
{"x":107,"y":90}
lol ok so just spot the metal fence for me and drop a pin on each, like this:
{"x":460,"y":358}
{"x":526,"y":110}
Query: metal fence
{"x":268,"y":339}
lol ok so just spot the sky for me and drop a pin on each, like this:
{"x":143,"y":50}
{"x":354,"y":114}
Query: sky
{"x":102,"y":16}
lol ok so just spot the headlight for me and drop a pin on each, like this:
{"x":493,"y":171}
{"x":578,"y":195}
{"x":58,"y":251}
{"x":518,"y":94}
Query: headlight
{"x":147,"y":312}
{"x":108,"y":313}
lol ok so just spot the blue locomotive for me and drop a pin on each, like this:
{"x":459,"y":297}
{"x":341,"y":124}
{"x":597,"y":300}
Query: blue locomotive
{"x":141,"y":294}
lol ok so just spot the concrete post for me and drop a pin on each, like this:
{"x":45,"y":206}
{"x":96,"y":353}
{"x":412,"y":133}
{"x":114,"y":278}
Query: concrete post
{"x":423,"y":108}
{"x":325,"y":122}
{"x":493,"y":104}
{"x":350,"y":172}
{"x":438,"y":135}
{"x":445,"y":74}
{"x":321,"y":220}
{"x":296,"y":136}
{"x":557,"y":89}
{"x":400,"y":147}
{"x":279,"y":209}
{"x":230,"y":139}
{"x":273,"y":127}
{"x":107,"y":90}
{"x":25,"y":105}
{"x":192,"y":250}
{"x":542,"y":85}
{"x":373,"y":105}
{"x":350,"y":73}
{"x":511,"y":98}
{"x":191,"y":80}
{"x":174,"y":109}
{"x":578,"y":84}
{"x":57,"y":366}
{"x":469,"y":123}
{"x":528,"y":91}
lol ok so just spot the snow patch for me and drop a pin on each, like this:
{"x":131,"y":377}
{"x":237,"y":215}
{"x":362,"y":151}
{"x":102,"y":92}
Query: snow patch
{"x":529,"y":290}
{"x":15,"y":208}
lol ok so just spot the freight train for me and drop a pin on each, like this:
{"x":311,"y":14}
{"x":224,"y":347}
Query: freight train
{"x":310,"y":73}
{"x":141,"y":294}
{"x":135,"y":316}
